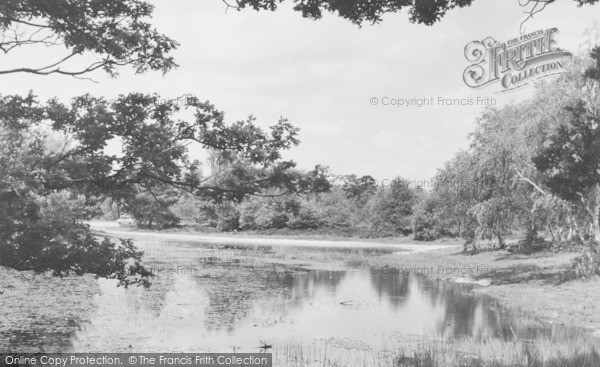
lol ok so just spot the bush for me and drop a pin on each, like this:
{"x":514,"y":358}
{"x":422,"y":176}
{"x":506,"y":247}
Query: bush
{"x":307,"y":218}
{"x":426,"y":224}
{"x":262,"y":213}
{"x":186,"y":209}
{"x":530,"y":244}
{"x":426,"y":228}
{"x":228,"y":218}
{"x":154,"y":209}
{"x":248,"y":214}
{"x":43,"y":234}
{"x":337,"y":211}
{"x":494,"y":217}
{"x":587,"y":265}
{"x":473,"y":246}
{"x":392,"y":209}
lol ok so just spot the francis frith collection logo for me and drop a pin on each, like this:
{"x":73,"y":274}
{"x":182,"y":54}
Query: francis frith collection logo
{"x":513,"y":63}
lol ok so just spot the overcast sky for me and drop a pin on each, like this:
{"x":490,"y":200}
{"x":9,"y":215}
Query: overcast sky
{"x":321,"y":75}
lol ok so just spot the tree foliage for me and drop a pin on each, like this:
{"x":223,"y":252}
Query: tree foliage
{"x":115,"y":32}
{"x":570,"y":161}
{"x":392,"y":208}
{"x":532,"y":167}
{"x":427,"y":12}
{"x":41,"y":233}
{"x":572,"y":157}
{"x":361,"y":11}
{"x":152,"y":206}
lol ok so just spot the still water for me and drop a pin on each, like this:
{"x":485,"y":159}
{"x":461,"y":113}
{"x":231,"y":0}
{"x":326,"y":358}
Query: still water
{"x":224,"y":299}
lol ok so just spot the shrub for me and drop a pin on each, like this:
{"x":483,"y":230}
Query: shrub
{"x":42,"y":234}
{"x":426,"y":224}
{"x":426,"y":228}
{"x":494,"y":217}
{"x":206,"y":214}
{"x":262,"y":213}
{"x":186,"y":209}
{"x":307,"y":218}
{"x":392,"y":209}
{"x":337,"y":211}
{"x":587,"y":265}
{"x":228,"y":217}
{"x":154,"y":208}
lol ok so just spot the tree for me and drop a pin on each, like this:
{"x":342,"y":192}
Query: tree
{"x":427,"y":222}
{"x":154,"y":145}
{"x":114,"y":32}
{"x":264,"y":213}
{"x":494,"y":185}
{"x":495,"y":216}
{"x":525,"y":160}
{"x":40,"y":230}
{"x":154,"y":154}
{"x":359,"y":188}
{"x":360,"y":11}
{"x":571,"y":163}
{"x":339,"y":211}
{"x":391,"y":208}
{"x":151,"y":205}
{"x":455,"y":190}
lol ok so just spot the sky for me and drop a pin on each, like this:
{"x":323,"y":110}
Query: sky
{"x":324,"y":75}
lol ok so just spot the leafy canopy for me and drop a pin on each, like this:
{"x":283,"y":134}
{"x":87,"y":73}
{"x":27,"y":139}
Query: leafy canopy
{"x":114,"y":32}
{"x":426,"y":12}
{"x":571,"y":159}
{"x":359,"y":11}
{"x":154,"y":135}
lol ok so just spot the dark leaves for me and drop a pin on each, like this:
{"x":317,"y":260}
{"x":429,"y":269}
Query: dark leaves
{"x":116,"y":32}
{"x":571,"y":160}
{"x":365,"y":11}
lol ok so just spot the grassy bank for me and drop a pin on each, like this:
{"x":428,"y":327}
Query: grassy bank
{"x":529,"y":283}
{"x":417,"y":351}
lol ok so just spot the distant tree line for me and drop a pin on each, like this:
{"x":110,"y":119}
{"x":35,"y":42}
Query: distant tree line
{"x":347,"y":202}
{"x":532,"y":170}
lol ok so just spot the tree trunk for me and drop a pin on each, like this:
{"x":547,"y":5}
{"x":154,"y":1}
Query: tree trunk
{"x":595,"y":222}
{"x":112,"y":210}
{"x":551,"y":233}
{"x":501,"y":244}
{"x":571,"y":232}
{"x":593,"y":209}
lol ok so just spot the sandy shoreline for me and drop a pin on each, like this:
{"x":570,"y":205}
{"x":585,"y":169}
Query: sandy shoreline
{"x":111,"y":230}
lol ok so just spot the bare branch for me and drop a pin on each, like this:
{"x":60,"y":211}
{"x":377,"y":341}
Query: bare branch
{"x":534,"y":9}
{"x":532,"y":183}
{"x":236,"y":7}
{"x":12,"y":20}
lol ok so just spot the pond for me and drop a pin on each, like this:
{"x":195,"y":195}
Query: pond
{"x":223,"y":298}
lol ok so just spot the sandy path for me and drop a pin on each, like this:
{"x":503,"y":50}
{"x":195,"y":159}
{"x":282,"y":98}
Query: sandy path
{"x":113,"y":230}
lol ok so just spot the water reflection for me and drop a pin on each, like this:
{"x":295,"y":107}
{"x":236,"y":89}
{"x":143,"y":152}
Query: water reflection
{"x":231,"y":302}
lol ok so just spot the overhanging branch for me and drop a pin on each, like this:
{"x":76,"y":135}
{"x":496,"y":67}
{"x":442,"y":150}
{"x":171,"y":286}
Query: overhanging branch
{"x":539,"y":189}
